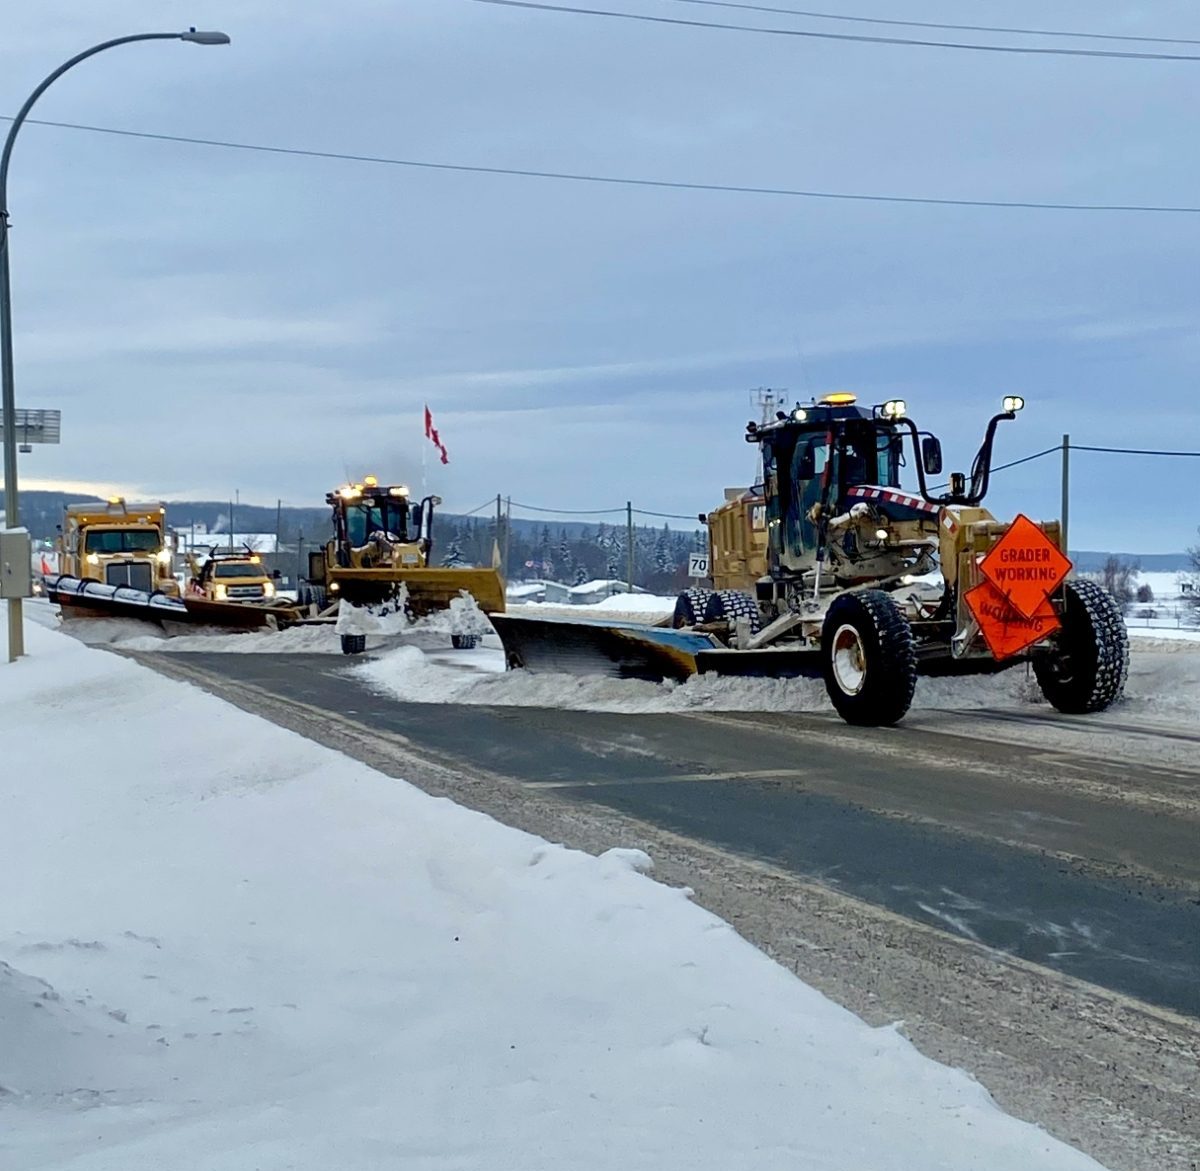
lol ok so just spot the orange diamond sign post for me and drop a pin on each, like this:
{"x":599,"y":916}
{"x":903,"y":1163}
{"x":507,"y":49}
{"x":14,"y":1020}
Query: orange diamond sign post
{"x":1012,"y":606}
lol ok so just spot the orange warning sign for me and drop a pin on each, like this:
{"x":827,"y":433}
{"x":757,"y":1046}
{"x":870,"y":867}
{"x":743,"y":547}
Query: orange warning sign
{"x":1025,"y":566}
{"x":1005,"y":629}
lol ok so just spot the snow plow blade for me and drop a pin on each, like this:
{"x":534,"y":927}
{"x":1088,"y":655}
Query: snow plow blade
{"x":761,"y":664}
{"x":583,"y":646}
{"x":429,"y":589}
{"x":84,"y":598}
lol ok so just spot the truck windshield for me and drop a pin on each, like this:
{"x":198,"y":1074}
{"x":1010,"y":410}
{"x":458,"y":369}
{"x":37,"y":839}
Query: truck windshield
{"x":123,"y":541}
{"x":383,"y":516}
{"x":237,"y":569}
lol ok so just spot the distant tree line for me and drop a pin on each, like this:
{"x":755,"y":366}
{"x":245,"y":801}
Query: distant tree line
{"x":572,"y":555}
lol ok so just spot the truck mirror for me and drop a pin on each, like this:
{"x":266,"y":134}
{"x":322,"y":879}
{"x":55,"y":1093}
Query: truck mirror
{"x":277,"y":574}
{"x":931,"y":455}
{"x":417,"y":514}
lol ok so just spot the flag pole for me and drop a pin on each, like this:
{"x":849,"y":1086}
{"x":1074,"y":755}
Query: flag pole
{"x":424,"y":445}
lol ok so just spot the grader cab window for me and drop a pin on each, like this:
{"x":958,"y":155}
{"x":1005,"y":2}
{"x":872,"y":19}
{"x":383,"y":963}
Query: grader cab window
{"x":384,"y":516}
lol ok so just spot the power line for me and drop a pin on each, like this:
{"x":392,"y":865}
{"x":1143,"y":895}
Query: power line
{"x":970,"y":28}
{"x":568,"y":511}
{"x":1027,"y":458}
{"x":622,"y":181}
{"x":859,"y":38}
{"x":1129,"y":450}
{"x":666,"y":515}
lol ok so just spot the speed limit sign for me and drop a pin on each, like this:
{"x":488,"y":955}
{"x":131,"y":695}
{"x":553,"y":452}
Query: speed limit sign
{"x":697,"y":565}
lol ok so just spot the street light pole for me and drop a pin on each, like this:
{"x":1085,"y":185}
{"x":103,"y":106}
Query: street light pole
{"x":16,"y":634}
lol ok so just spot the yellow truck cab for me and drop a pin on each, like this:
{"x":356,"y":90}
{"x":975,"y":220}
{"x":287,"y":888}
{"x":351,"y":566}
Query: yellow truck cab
{"x":118,"y":544}
{"x":231,"y":577}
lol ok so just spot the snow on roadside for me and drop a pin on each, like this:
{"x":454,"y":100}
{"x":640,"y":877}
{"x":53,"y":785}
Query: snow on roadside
{"x":409,"y":674}
{"x":268,"y":955}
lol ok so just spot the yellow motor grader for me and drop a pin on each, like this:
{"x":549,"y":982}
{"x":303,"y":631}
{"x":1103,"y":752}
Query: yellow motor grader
{"x":829,"y":568}
{"x":377,"y":565}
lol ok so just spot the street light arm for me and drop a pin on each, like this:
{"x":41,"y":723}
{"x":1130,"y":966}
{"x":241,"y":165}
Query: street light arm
{"x":23,"y":112}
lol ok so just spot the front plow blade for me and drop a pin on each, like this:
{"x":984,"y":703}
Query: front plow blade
{"x":583,"y":646}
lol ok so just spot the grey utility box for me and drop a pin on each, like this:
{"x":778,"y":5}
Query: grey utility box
{"x":16,"y":569}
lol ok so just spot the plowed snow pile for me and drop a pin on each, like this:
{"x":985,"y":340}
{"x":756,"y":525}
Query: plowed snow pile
{"x":265,"y":955}
{"x":1163,"y":683}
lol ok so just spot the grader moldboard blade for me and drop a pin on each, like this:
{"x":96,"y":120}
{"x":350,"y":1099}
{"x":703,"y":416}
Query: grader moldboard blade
{"x":595,"y":646}
{"x":634,"y":650}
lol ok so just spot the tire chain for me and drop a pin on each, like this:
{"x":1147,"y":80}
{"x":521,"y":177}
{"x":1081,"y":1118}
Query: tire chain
{"x":1112,"y":642}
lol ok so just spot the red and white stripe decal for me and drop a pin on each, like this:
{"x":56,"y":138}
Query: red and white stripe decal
{"x":891,"y":496}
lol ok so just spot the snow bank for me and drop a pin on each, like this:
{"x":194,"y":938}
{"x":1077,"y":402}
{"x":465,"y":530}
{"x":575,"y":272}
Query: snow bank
{"x":414,"y":676}
{"x":269,"y":956}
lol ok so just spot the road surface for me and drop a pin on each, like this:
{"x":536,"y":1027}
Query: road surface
{"x":1023,"y":891}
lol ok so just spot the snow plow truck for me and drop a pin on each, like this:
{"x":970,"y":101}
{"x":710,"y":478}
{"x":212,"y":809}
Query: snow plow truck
{"x":829,"y":569}
{"x":118,"y":544}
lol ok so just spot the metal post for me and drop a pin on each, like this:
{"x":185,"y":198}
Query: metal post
{"x":299,"y":558}
{"x":231,"y":526}
{"x":278,"y":524}
{"x":629,"y":539}
{"x":1066,"y":491}
{"x":16,"y":637}
{"x":12,"y":513}
{"x":507,"y":532}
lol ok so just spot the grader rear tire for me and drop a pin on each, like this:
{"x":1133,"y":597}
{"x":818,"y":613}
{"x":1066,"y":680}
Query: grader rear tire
{"x":869,"y":659}
{"x":689,"y":607}
{"x":729,"y":606}
{"x":1086,"y":670}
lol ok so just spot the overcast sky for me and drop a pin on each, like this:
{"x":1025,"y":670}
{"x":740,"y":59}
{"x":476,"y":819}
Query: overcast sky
{"x":213,"y":320}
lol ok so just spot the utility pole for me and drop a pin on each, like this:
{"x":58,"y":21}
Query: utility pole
{"x":1066,"y":490}
{"x":299,"y":558}
{"x":629,"y":539}
{"x":499,"y":522}
{"x":507,"y":532}
{"x":278,"y":523}
{"x":231,"y":525}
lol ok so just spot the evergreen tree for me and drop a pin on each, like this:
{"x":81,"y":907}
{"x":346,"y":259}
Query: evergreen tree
{"x":453,"y":557}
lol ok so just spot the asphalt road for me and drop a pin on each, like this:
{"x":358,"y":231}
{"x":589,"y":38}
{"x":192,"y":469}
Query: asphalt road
{"x":1077,"y":862}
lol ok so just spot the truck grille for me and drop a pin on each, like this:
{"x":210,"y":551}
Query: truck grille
{"x":136,"y":574}
{"x":245,"y":591}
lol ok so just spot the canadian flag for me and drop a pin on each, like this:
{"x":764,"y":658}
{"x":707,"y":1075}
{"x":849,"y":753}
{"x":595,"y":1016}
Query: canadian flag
{"x":431,"y":433}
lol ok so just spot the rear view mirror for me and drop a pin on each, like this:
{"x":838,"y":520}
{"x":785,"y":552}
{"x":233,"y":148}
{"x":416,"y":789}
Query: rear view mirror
{"x":931,"y":455}
{"x":277,"y":574}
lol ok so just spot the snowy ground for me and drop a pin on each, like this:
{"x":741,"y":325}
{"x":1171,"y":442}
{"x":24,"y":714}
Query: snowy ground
{"x":269,"y":956}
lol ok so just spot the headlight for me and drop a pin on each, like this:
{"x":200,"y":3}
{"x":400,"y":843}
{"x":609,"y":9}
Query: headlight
{"x":895,"y":408}
{"x":92,"y":559}
{"x":268,"y":589}
{"x":881,"y":534}
{"x":218,"y":592}
{"x":799,"y":414}
{"x":164,"y":556}
{"x":334,"y":587}
{"x":1013,"y":403}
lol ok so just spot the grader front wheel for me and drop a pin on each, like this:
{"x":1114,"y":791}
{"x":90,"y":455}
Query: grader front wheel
{"x":869,"y":658}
